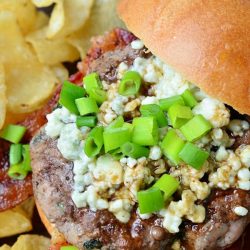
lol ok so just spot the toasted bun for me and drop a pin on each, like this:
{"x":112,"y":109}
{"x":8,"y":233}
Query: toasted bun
{"x":56,"y":236}
{"x":207,"y":41}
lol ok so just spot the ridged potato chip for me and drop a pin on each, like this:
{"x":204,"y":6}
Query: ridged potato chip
{"x":2,"y":96}
{"x":12,"y":43}
{"x":24,"y":11}
{"x":43,"y":3}
{"x":51,"y":51}
{"x":103,"y":18}
{"x":5,"y":247}
{"x":60,"y":72}
{"x":57,"y":20}
{"x":31,"y":242}
{"x":14,"y":221}
{"x":76,"y":14}
{"x":41,"y":20}
{"x":29,"y":85}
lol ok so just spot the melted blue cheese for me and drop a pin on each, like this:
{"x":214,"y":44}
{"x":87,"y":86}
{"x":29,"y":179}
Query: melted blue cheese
{"x":105,"y":183}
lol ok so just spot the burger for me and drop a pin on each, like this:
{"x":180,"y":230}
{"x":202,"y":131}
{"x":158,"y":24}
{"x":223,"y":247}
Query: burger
{"x":150,"y":149}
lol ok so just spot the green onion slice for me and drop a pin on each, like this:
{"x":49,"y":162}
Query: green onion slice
{"x":171,"y":145}
{"x":155,"y":111}
{"x":117,"y":123}
{"x":15,"y":155}
{"x":94,"y":142}
{"x":13,"y":133}
{"x":88,"y":121}
{"x":195,"y":128}
{"x":129,"y":126}
{"x":166,"y":103}
{"x":145,"y":131}
{"x":91,"y":81}
{"x":98,"y":95}
{"x":117,"y":153}
{"x":167,"y":184}
{"x":150,"y":200}
{"x":189,"y":99}
{"x":179,"y":115}
{"x":134,"y":150}
{"x":26,"y":158}
{"x":17,"y":172}
{"x":115,"y":138}
{"x":70,"y":92}
{"x":193,"y":155}
{"x":86,"y":105}
{"x":130,"y":83}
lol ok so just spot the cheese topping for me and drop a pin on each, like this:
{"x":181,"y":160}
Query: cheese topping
{"x":104,"y":182}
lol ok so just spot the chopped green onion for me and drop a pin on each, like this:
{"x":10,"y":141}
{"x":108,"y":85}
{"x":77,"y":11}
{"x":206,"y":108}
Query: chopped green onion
{"x":26,"y":158}
{"x":145,"y":131}
{"x":91,"y":81}
{"x":15,"y":155}
{"x":171,"y":145}
{"x":70,"y":92}
{"x":117,"y":123}
{"x":117,"y":153}
{"x":179,"y":115}
{"x":129,"y":126}
{"x":86,"y":105}
{"x":94,"y":142}
{"x":69,"y":248}
{"x":195,"y":128}
{"x":115,"y":137}
{"x":150,"y":200}
{"x":167,"y":184}
{"x":130,"y":83}
{"x":189,"y":98}
{"x":193,"y":155}
{"x":13,"y":133}
{"x":98,"y":94}
{"x":17,"y":172}
{"x":166,"y":103}
{"x":155,"y":111}
{"x":134,"y":150}
{"x":88,"y":121}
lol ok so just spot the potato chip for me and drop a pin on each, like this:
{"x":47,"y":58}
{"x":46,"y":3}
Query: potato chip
{"x":57,"y":20}
{"x":12,"y":43}
{"x":2,"y":96}
{"x":31,"y":242}
{"x":41,"y":20}
{"x":14,"y":221}
{"x":29,"y":85}
{"x":76,"y":14}
{"x":5,"y":247}
{"x":24,"y":11}
{"x":103,"y":18}
{"x":51,"y":51}
{"x":28,"y":207}
{"x":43,"y":3}
{"x":60,"y":72}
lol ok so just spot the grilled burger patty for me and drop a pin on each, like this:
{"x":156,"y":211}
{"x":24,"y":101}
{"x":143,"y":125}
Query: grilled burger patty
{"x":53,"y":185}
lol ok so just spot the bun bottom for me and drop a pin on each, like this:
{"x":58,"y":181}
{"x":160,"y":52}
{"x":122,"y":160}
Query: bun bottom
{"x":56,"y":236}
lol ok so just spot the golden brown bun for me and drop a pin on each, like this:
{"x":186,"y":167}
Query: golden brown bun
{"x":208,"y":41}
{"x":56,"y":236}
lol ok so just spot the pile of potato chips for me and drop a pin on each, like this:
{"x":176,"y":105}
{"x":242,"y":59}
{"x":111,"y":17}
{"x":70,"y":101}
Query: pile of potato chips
{"x":33,"y":46}
{"x":29,"y":242}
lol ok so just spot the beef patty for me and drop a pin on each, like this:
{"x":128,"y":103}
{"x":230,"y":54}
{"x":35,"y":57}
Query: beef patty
{"x":53,"y":184}
{"x":53,"y":181}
